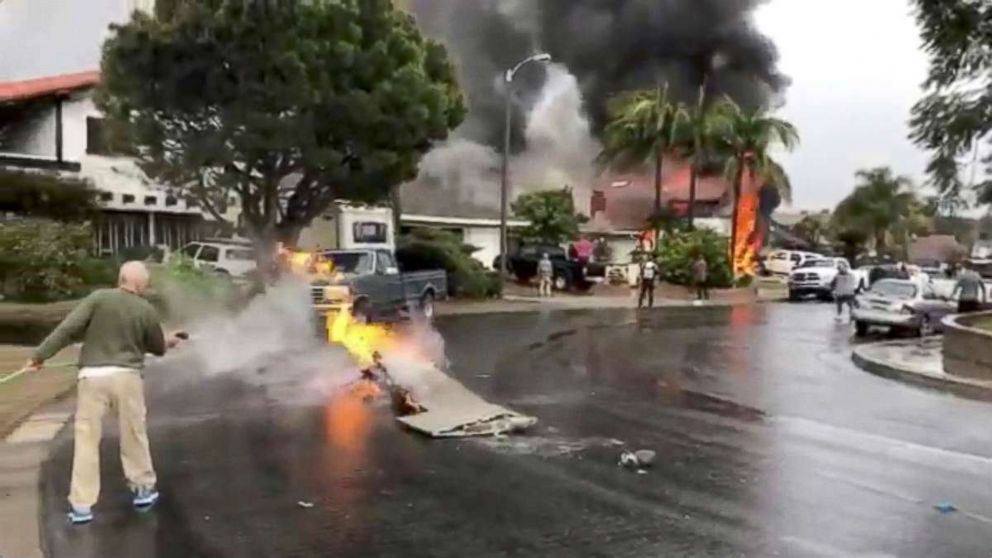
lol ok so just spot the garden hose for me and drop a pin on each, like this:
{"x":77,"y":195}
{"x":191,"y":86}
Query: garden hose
{"x":14,"y":375}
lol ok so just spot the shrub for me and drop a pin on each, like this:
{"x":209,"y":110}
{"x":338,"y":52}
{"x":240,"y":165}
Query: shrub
{"x":679,"y":249}
{"x":433,"y":249}
{"x":40,"y":261}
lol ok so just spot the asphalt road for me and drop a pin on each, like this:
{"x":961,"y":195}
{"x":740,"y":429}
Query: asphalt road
{"x":770,"y":443}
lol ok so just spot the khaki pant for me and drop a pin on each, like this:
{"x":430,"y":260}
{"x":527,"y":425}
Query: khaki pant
{"x":544,"y":286}
{"x":124,"y":392}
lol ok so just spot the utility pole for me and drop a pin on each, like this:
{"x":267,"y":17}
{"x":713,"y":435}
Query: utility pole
{"x":504,"y":187}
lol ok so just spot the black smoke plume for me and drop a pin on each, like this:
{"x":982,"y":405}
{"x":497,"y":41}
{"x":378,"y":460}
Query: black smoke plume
{"x":609,"y":45}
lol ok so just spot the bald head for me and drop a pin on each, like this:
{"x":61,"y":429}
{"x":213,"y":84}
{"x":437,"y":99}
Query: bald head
{"x":133,"y":277}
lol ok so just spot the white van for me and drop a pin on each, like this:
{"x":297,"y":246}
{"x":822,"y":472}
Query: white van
{"x":782,"y":262}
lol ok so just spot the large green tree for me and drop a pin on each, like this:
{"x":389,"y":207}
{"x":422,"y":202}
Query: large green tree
{"x":551,"y":216}
{"x":880,"y":203}
{"x":643,"y":128}
{"x":954,"y":118}
{"x":286,"y":106}
{"x":747,"y":139}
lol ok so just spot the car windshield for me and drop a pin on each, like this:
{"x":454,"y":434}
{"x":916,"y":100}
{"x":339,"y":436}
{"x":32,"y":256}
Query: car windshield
{"x":350,"y":262}
{"x":894,"y":289}
{"x":816,"y":263}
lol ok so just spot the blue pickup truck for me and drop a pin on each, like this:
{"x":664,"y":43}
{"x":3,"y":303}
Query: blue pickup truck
{"x":369,"y":283}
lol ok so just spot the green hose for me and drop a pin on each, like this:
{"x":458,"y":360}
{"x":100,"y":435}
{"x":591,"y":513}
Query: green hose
{"x":13,"y":375}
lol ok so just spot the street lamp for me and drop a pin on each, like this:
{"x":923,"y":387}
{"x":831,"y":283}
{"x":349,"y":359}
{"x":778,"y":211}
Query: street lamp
{"x":504,"y":187}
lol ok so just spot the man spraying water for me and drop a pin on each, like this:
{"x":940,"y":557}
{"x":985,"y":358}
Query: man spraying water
{"x":118,"y":328}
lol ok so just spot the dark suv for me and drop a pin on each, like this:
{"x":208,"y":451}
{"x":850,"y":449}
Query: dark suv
{"x":569,"y":274}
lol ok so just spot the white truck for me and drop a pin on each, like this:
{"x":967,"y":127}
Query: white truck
{"x":815,"y":277}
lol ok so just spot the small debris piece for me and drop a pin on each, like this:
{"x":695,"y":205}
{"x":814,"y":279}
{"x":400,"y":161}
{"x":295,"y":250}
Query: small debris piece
{"x":305,"y":505}
{"x":637,"y":459}
{"x":946,"y":507}
{"x":645,"y":457}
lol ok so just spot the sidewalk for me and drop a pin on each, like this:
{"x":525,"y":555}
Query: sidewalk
{"x":917,"y":362}
{"x":23,"y":395}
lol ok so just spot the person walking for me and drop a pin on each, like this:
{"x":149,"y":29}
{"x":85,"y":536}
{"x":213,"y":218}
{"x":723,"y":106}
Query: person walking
{"x":700,"y":276}
{"x":845,"y":286}
{"x":972,"y":290}
{"x":117,"y":328}
{"x":649,"y":273}
{"x":545,"y":274}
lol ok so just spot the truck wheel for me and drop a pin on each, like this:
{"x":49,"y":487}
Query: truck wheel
{"x":561,"y":282}
{"x":826,"y":297}
{"x":362,"y":311}
{"x":926,"y":328}
{"x":524,"y":278}
{"x":794,"y":296}
{"x":427,"y":306}
{"x":860,"y":329}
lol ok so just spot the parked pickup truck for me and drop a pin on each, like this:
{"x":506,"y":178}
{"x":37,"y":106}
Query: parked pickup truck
{"x":369,"y":283}
{"x":815,"y":276}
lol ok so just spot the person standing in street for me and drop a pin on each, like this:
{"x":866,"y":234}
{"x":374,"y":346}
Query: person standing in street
{"x":845,"y":287}
{"x":545,"y":274}
{"x":117,"y":328}
{"x":700,"y":276}
{"x":971,"y":289}
{"x":649,"y":273}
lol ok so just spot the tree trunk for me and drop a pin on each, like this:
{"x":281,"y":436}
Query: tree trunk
{"x":693,"y":176}
{"x":659,"y":162}
{"x":396,"y":203}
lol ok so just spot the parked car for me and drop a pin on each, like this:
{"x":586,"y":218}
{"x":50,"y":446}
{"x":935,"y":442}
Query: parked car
{"x":782,"y":262}
{"x":569,"y":274}
{"x":369,"y":283}
{"x":902,"y":305}
{"x":815,"y":276}
{"x":229,"y":257}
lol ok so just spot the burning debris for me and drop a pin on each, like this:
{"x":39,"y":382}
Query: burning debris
{"x":450,"y":409}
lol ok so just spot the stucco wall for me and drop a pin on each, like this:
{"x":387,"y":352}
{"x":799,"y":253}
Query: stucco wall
{"x":968,"y":350}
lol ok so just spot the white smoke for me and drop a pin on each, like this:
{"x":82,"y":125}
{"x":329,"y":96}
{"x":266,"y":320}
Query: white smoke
{"x":560,"y":146}
{"x":275,"y":344}
{"x":560,"y":152}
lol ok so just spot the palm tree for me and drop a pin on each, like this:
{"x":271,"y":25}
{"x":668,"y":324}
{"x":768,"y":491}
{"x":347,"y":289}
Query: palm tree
{"x":695,"y":141}
{"x":747,"y":138}
{"x":880,"y":202}
{"x":643,"y":127}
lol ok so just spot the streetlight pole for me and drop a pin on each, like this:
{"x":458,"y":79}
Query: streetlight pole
{"x":504,"y":187}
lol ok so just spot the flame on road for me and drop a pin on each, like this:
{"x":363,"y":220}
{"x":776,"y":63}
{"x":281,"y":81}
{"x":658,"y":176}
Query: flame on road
{"x":362,"y":340}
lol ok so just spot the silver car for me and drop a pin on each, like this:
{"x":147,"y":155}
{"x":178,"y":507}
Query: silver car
{"x":900,"y":304}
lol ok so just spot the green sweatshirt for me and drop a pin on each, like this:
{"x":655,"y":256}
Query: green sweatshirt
{"x":117,"y":329}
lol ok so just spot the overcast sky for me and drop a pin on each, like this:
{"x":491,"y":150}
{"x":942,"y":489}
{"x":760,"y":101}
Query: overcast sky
{"x":856,"y":69}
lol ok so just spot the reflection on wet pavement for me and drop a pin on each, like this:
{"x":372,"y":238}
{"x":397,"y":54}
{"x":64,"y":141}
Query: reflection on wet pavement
{"x":769,"y":443}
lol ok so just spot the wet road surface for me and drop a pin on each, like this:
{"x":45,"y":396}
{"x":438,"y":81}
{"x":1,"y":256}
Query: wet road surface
{"x":770,"y":443}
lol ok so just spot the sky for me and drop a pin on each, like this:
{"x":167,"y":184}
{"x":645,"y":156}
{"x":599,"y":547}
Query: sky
{"x":856,"y":68}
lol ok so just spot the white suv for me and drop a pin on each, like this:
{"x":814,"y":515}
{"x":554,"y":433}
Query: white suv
{"x":232,"y":258}
{"x":816,"y":277}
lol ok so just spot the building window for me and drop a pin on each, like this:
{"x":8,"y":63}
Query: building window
{"x":368,"y":232}
{"x":106,"y":196}
{"x":150,"y":200}
{"x":127,"y":198}
{"x":170,"y":201}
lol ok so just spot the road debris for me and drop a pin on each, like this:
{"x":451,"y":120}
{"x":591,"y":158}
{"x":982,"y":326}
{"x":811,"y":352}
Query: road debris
{"x":945,"y":507}
{"x":639,"y":459}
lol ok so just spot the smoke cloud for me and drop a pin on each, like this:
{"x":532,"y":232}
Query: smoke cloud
{"x":608,"y":45}
{"x":600,"y":48}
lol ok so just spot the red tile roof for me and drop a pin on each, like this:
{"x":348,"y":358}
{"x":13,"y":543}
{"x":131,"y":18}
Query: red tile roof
{"x":41,"y":87}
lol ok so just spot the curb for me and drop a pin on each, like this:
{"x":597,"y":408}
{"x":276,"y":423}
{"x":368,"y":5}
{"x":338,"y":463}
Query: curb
{"x":956,"y":386}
